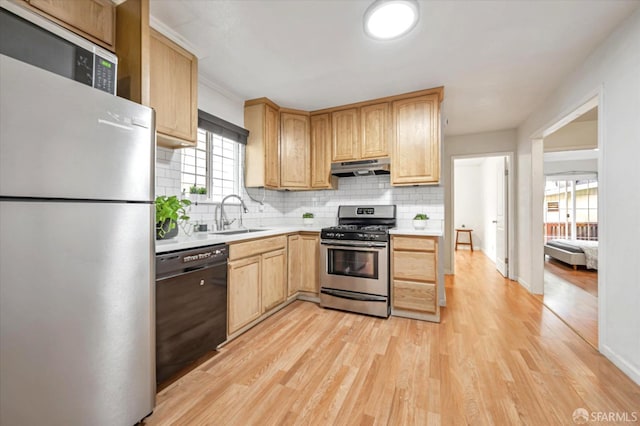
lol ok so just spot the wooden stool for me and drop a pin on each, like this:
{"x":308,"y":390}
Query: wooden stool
{"x":470,"y":243}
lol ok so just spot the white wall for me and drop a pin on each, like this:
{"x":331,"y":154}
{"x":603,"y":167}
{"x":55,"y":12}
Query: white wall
{"x":221,"y":104}
{"x":611,"y":72}
{"x":504,"y":141}
{"x":475,"y":201}
{"x":469,"y":200}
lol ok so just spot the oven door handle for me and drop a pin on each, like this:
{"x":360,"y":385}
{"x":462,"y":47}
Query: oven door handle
{"x":353,"y":244}
{"x":353,"y":296}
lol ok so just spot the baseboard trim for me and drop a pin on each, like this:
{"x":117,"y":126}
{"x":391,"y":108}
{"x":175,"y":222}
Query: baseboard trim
{"x":524,"y":284}
{"x":626,"y":367}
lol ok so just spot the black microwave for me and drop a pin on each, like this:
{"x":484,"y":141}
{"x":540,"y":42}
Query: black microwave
{"x":30,"y":38}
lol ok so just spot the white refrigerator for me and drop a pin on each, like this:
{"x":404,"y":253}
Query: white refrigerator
{"x":77,"y":266}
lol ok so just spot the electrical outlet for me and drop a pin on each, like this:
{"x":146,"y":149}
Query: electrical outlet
{"x":261,"y":208}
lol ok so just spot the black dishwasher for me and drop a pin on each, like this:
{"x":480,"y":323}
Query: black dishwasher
{"x":191,"y":306}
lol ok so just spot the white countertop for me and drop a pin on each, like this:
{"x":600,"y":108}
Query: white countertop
{"x":419,"y":232}
{"x":201,"y":239}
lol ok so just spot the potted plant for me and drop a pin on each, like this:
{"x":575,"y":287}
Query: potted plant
{"x":169,"y":210}
{"x":420,"y":221}
{"x":307,"y":219}
{"x":202,"y":194}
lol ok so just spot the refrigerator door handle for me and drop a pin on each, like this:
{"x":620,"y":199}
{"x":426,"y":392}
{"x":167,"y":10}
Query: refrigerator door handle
{"x":111,"y":123}
{"x":140,"y":123}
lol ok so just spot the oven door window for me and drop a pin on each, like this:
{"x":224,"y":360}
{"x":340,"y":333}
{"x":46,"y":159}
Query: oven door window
{"x":352,"y":263}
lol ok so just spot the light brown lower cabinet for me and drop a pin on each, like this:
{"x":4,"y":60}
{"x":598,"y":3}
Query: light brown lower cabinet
{"x":243,"y":293}
{"x":274,"y":279}
{"x":257,"y":280}
{"x":303,"y":263}
{"x":414,"y":272}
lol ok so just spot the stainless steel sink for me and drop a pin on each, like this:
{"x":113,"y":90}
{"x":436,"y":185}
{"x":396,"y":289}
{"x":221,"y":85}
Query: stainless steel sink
{"x":237,"y":231}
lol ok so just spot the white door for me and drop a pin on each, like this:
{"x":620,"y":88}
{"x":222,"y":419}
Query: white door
{"x":502,"y":179}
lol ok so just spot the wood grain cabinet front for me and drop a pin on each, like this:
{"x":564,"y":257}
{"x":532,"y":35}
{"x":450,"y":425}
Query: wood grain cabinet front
{"x":257,"y":280}
{"x":415,"y":158}
{"x":262,"y":153}
{"x":295,"y":154}
{"x":274,"y":279}
{"x":244,"y":297}
{"x":173,"y":91}
{"x":345,"y":135}
{"x":303,"y":264}
{"x":321,"y":153}
{"x":94,"y":20}
{"x":414,"y":271}
{"x":156,"y":72}
{"x":375,"y":130}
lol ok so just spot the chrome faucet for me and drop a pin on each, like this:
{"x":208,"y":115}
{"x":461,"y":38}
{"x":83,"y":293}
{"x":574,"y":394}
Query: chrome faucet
{"x":224,"y":222}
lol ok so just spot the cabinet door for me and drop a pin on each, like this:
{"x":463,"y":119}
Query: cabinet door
{"x":414,"y":265}
{"x":244,"y":292}
{"x":414,"y":296}
{"x":294,"y":267}
{"x":345,"y":141}
{"x":294,"y":151}
{"x":173,"y":90}
{"x":271,"y":147}
{"x":374,"y":130}
{"x":416,"y":141}
{"x":95,"y":18}
{"x":309,"y":264}
{"x":321,"y":151}
{"x":274,"y":283}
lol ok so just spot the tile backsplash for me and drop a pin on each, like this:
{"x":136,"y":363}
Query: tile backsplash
{"x":286,"y":207}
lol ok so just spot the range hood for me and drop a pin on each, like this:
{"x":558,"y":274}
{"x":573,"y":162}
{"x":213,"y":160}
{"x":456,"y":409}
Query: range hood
{"x":361,"y":168}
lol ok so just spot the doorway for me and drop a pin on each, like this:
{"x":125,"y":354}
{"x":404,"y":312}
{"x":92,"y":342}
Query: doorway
{"x":570,"y":223}
{"x":481,"y":207}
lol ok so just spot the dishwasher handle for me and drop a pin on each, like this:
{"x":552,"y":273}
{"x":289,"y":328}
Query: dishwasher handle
{"x":187,"y":270}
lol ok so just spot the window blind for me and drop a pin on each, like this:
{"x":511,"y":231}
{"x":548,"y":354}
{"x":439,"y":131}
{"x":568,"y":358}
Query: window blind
{"x":221,"y":127}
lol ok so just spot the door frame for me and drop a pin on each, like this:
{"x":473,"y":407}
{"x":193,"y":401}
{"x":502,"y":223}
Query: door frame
{"x":591,"y":100}
{"x":511,"y":216}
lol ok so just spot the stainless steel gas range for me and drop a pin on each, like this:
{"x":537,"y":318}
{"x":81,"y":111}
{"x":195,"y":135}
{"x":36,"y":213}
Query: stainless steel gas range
{"x":354,"y":260}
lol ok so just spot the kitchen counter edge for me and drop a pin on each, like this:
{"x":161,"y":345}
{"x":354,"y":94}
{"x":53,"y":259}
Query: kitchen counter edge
{"x":417,"y":232}
{"x":204,"y":239}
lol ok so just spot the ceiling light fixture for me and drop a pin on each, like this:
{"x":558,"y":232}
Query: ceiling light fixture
{"x":390,"y":19}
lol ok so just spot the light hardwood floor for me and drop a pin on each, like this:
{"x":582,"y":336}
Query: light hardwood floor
{"x":573,"y":296}
{"x":498,"y":357}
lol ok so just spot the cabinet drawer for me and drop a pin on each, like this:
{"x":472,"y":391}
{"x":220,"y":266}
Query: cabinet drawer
{"x":251,"y":248}
{"x":414,"y":243}
{"x":420,"y":297}
{"x":414,"y":265}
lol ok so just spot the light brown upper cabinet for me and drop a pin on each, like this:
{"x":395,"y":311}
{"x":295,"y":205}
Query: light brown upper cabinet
{"x":374,"y":130}
{"x":295,"y":155}
{"x":404,"y":127}
{"x":345,"y":140}
{"x":262,"y":154}
{"x":92,"y":19}
{"x":154,"y":71}
{"x":415,"y":158}
{"x":360,"y":133}
{"x":174,"y":90}
{"x":321,"y":153}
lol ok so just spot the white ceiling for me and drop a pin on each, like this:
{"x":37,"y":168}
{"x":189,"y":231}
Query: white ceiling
{"x":496,"y":59}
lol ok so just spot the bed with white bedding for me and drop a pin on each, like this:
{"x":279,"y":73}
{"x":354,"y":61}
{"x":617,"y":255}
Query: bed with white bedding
{"x":574,"y":252}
